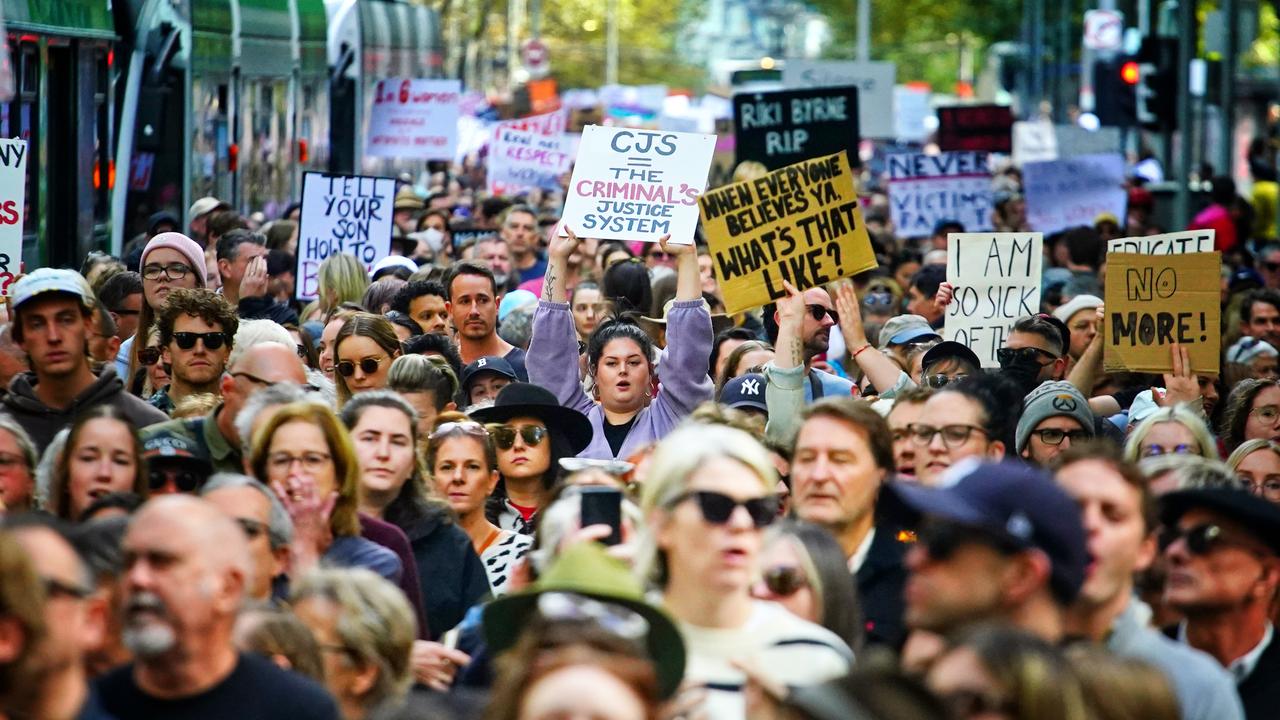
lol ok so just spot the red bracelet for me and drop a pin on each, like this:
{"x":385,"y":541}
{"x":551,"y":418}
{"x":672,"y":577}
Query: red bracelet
{"x":858,"y":352}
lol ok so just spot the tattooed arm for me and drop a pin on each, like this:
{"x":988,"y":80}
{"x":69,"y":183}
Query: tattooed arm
{"x":558,"y":251}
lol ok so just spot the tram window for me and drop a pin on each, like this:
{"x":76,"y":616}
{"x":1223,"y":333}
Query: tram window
{"x":103,"y":169}
{"x":27,"y":97}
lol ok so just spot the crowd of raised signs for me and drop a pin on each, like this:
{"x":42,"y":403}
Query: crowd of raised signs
{"x":512,"y":472}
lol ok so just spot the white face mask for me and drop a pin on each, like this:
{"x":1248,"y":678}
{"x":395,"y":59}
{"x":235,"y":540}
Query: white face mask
{"x":431,"y":236}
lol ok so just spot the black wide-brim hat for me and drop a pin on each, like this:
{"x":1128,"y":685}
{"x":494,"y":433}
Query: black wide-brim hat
{"x":521,"y":399}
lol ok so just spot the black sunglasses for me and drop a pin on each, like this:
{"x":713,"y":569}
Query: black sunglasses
{"x":211,"y":340}
{"x":1201,"y":539}
{"x":939,"y":380}
{"x":504,"y":436}
{"x":784,"y":580}
{"x":717,"y":508}
{"x":184,"y":480}
{"x":368,"y":366}
{"x":817,"y":312}
{"x":149,"y":356}
{"x":942,"y":539}
{"x":1007,"y":356}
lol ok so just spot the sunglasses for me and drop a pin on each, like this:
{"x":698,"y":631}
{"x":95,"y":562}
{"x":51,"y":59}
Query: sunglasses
{"x":1054,"y":436}
{"x":149,"y":356}
{"x":717,"y":508}
{"x":1201,"y":539}
{"x":211,"y":340}
{"x":942,"y":539}
{"x":468,"y":427}
{"x":878,"y":299}
{"x":939,"y":380}
{"x":784,"y":580}
{"x":184,"y":480}
{"x":505,"y":435}
{"x":817,"y":312}
{"x":368,"y":366}
{"x":1008,"y":356}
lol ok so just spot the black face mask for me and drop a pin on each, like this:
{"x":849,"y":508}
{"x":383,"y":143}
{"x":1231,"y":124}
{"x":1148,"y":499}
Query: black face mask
{"x":1024,"y":371}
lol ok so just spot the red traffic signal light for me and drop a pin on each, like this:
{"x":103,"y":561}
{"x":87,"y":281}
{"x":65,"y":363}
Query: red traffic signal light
{"x":1129,"y":73}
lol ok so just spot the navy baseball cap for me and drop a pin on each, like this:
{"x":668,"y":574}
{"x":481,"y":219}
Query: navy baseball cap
{"x":745,"y":392}
{"x":1011,"y":500}
{"x":488,"y":363}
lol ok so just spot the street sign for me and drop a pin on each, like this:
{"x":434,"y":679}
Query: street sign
{"x":1103,"y":30}
{"x":874,"y":81}
{"x":536,"y":58}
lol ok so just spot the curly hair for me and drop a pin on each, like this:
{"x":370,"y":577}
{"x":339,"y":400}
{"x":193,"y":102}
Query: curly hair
{"x":198,"y":302}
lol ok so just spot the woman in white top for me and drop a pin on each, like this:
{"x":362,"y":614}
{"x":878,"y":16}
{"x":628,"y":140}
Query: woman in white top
{"x":708,"y":497}
{"x":462,"y":462}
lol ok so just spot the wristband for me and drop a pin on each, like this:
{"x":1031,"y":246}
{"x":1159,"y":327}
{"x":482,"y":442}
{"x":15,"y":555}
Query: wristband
{"x":854,"y":355}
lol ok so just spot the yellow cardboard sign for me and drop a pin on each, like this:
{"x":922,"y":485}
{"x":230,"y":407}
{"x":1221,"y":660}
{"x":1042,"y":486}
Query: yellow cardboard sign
{"x":801,"y":223}
{"x":1153,"y":301}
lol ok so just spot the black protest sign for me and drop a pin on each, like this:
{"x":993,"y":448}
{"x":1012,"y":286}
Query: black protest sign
{"x":976,"y":127}
{"x":782,"y":128}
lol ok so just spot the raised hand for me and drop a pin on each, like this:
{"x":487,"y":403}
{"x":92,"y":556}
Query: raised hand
{"x":560,"y":247}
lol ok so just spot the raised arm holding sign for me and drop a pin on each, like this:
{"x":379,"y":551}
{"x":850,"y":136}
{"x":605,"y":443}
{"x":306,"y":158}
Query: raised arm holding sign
{"x":801,"y":224}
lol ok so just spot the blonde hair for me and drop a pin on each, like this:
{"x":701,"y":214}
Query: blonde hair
{"x":341,"y":278}
{"x":1180,"y":414}
{"x":676,"y":459}
{"x":1248,"y":447}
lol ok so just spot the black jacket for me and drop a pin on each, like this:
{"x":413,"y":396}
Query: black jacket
{"x":43,"y":422}
{"x":264,"y":308}
{"x":452,"y":576}
{"x":880,"y":582}
{"x":1260,"y":692}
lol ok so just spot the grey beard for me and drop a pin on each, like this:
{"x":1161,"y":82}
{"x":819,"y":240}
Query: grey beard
{"x":149,"y":641}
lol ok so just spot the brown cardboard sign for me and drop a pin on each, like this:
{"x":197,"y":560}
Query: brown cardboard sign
{"x":1154,"y":301}
{"x":801,"y":223}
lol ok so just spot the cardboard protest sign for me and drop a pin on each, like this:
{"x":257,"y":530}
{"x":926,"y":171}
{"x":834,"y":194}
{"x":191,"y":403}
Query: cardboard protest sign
{"x":976,"y":127}
{"x":997,"y":280}
{"x":1175,"y":243}
{"x":925,"y":189}
{"x":1153,"y":301}
{"x":638,"y":184}
{"x":781,"y":128}
{"x":13,"y":189}
{"x":414,"y":119}
{"x":528,"y":153}
{"x":1071,"y":192}
{"x":874,"y":80}
{"x":342,"y":214}
{"x":801,"y":224}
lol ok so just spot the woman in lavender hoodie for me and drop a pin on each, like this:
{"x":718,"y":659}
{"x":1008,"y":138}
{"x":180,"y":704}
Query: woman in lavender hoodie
{"x":626,"y":415}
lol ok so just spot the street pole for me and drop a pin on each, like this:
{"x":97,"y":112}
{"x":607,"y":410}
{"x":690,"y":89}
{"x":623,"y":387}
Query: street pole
{"x":1227,"y":89}
{"x":1037,"y":59}
{"x":864,"y":30}
{"x":611,"y":44}
{"x":1186,"y":50}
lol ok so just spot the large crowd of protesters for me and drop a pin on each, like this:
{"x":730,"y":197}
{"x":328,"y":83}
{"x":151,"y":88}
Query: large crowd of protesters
{"x":509,"y":472}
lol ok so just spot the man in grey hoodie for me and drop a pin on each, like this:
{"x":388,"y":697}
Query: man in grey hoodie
{"x":52,"y":321}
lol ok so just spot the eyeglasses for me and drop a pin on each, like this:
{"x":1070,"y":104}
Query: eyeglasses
{"x":939,"y":380}
{"x":211,"y":340}
{"x":953,"y":436}
{"x":368,"y":366}
{"x":1201,"y":539}
{"x":717,"y":508}
{"x":467,"y":427}
{"x":1268,"y":488}
{"x":172,"y":271}
{"x":942,"y":539}
{"x":184,"y":480}
{"x":1154,"y":450}
{"x":149,"y":356}
{"x":1008,"y":356}
{"x":967,"y":703}
{"x":817,"y":312}
{"x":54,"y":587}
{"x":621,"y":621}
{"x":1267,"y":413}
{"x":1055,"y":436}
{"x":311,"y":462}
{"x":252,"y":528}
{"x":505,"y":435}
{"x":784,"y":580}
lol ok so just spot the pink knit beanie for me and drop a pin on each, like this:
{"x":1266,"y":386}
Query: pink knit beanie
{"x":189,"y":249}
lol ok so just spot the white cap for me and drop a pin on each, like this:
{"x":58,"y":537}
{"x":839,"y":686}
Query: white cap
{"x":394,"y":261}
{"x":1075,"y":305}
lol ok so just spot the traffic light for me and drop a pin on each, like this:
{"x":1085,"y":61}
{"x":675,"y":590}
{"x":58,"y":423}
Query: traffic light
{"x":1114,"y":88}
{"x":1157,"y":88}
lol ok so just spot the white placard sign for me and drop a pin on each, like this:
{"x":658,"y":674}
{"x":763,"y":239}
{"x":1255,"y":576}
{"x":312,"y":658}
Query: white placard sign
{"x":528,"y":153}
{"x":414,"y":119}
{"x":1175,"y":243}
{"x":1034,"y":141}
{"x":13,"y":188}
{"x":912,"y":112}
{"x":632,"y":184}
{"x":1072,"y":192}
{"x":874,"y":81}
{"x":342,"y":214}
{"x":926,"y":189}
{"x":996,"y":277}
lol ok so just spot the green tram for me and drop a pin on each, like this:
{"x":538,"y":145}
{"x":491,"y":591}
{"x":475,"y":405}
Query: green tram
{"x":137,"y":106}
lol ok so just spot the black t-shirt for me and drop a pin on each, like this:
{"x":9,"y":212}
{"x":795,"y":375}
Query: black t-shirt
{"x":617,"y":434}
{"x":256,"y":690}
